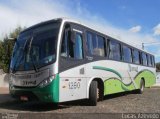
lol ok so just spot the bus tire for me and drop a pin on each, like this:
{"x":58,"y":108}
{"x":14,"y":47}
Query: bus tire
{"x":93,"y":93}
{"x":142,"y":85}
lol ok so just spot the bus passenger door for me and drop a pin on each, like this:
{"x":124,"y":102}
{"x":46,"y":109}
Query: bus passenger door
{"x":72,"y":65}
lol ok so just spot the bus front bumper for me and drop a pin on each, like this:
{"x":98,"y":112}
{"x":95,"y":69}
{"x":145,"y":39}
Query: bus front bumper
{"x":49,"y":93}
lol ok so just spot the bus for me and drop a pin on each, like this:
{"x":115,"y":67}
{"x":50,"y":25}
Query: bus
{"x":63,"y":60}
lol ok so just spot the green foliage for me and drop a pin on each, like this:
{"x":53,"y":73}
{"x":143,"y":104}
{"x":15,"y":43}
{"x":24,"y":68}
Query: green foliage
{"x":6,"y":47}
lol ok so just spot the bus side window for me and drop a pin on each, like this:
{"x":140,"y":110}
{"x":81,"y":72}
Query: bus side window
{"x":95,"y":44}
{"x":149,"y":60}
{"x":136,"y":57}
{"x":99,"y":48}
{"x":72,"y":49}
{"x":140,"y":57}
{"x":127,"y":54}
{"x":144,"y":59}
{"x":78,"y":47}
{"x":153,"y":61}
{"x":114,"y":50}
{"x":89,"y":43}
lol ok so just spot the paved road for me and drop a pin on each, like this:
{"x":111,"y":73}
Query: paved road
{"x":148,"y":102}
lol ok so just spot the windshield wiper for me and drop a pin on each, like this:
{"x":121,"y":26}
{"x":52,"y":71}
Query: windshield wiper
{"x":33,"y":63}
{"x":24,"y":52}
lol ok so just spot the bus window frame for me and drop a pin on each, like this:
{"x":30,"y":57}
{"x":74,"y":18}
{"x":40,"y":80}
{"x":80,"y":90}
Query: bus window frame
{"x":107,"y":39}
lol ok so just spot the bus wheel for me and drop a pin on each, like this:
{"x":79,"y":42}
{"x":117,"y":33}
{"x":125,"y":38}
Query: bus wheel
{"x":140,"y":91}
{"x":93,"y":93}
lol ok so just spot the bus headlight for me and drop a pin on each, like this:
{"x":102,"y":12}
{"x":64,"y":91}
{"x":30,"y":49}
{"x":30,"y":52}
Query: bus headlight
{"x":46,"y":81}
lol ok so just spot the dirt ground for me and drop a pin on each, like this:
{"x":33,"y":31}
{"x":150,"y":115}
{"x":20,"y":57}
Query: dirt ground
{"x":130,"y":102}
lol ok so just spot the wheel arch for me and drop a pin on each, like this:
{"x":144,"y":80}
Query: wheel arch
{"x":100,"y":85}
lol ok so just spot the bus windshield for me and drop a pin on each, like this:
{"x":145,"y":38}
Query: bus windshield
{"x":35,"y":47}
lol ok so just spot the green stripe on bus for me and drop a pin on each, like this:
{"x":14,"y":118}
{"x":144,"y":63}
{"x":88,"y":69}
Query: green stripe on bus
{"x":49,"y":93}
{"x":114,"y":85}
{"x":108,"y":69}
{"x":56,"y":89}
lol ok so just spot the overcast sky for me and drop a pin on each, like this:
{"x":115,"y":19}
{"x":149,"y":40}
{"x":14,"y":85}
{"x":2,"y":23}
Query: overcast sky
{"x":133,"y":21}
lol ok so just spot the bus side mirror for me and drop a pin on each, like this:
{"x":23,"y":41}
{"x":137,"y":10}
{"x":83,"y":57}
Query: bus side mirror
{"x":12,"y":39}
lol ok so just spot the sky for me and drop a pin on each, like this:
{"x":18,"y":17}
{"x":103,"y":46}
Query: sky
{"x":132,"y":21}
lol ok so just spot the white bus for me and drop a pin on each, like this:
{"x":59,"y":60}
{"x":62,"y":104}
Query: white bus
{"x":63,"y":60}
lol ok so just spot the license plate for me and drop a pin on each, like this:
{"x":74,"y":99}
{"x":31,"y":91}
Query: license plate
{"x":24,"y":98}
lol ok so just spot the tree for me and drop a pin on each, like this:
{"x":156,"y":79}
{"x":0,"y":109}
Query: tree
{"x":1,"y":55}
{"x":6,"y":48}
